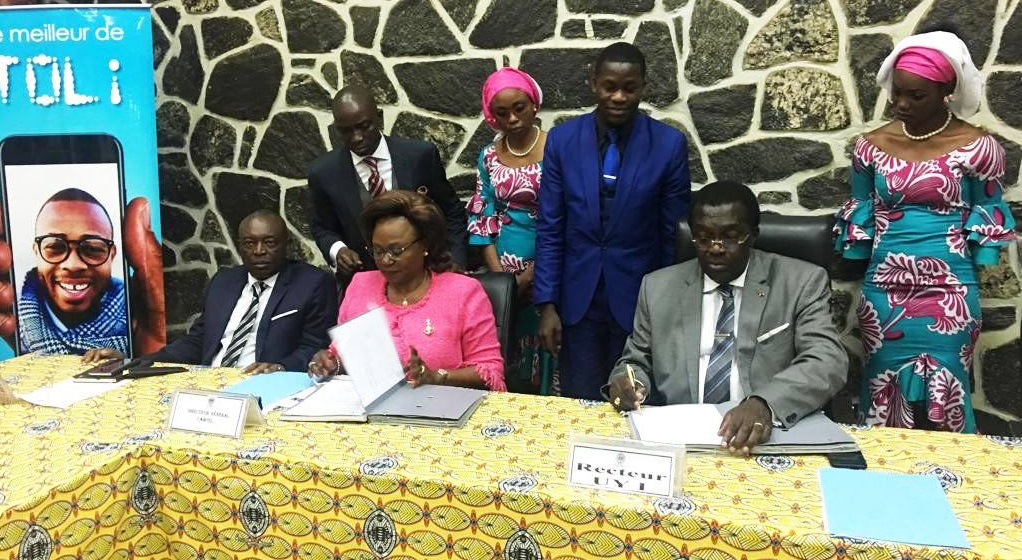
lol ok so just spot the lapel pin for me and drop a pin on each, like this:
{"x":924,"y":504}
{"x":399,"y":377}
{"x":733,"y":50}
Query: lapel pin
{"x":761,"y":293}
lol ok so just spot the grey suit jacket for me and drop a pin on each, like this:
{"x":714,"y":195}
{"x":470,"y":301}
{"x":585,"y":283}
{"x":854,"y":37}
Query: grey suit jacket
{"x":796,"y":371}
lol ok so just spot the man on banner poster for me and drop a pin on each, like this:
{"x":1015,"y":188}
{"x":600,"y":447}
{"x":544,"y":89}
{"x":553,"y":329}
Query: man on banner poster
{"x":80,"y":262}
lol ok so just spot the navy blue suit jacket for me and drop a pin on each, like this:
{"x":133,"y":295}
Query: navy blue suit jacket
{"x":281,"y":338}
{"x":335,"y":186}
{"x":572,"y":248}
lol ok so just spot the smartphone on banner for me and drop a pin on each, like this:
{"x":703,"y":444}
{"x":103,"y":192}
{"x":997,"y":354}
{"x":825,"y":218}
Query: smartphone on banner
{"x":63,"y":211}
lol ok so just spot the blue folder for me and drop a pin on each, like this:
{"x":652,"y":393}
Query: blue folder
{"x":884,"y":506}
{"x":271,"y":387}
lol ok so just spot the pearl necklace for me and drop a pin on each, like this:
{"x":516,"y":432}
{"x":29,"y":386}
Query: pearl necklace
{"x":928,"y":134}
{"x":507,"y":144}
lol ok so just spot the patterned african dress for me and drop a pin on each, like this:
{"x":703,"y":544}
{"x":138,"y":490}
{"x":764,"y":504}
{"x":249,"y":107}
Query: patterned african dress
{"x":503,"y":212}
{"x":924,"y":226}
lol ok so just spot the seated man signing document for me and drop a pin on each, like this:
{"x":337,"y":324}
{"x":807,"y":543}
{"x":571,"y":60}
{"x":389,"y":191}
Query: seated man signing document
{"x":735,"y":324}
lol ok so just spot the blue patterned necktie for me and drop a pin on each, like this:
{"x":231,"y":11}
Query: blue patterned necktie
{"x":245,"y":328}
{"x":611,"y":163}
{"x":717,"y":388}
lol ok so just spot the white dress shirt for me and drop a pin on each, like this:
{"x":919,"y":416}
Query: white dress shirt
{"x":385,"y":166}
{"x":248,"y":352}
{"x":712,"y":302}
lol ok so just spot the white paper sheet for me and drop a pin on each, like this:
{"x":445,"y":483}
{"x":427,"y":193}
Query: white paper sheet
{"x":335,"y":399}
{"x":68,"y":392}
{"x":287,"y":402}
{"x":369,"y":355}
{"x":680,"y":424}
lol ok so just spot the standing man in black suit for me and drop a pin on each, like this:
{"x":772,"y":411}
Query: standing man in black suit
{"x":269,"y":314}
{"x":366,"y":165}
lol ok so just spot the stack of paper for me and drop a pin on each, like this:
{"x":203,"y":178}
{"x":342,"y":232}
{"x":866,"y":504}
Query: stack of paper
{"x":427,"y":405}
{"x":333,"y":401}
{"x":853,"y":506}
{"x":695,"y":426}
{"x":375,"y":388}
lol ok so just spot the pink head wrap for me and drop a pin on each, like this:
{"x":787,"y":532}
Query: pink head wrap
{"x":508,"y":78}
{"x":927,"y":63}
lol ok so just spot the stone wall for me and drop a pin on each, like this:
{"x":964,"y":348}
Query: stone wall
{"x":769,"y":92}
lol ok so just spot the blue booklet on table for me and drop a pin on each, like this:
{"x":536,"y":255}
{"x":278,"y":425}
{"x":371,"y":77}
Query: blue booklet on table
{"x":272,"y":387}
{"x":860,"y":504}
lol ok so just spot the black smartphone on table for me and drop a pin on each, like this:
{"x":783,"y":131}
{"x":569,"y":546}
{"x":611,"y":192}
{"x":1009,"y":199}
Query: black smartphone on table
{"x":847,"y":460}
{"x":63,"y":209}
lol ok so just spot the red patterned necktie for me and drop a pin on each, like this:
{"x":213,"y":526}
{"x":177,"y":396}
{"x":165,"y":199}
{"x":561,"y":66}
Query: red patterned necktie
{"x":376,"y":187}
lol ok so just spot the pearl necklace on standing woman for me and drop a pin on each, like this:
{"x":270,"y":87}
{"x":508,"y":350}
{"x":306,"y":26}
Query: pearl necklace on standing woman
{"x":507,"y":144}
{"x":928,"y":135}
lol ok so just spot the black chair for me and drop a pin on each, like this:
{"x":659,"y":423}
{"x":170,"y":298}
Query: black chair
{"x":808,"y":238}
{"x":502,"y":289}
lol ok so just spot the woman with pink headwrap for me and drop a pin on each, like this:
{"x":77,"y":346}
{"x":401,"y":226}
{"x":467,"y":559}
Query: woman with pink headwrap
{"x":502,"y":213}
{"x":926,"y":208}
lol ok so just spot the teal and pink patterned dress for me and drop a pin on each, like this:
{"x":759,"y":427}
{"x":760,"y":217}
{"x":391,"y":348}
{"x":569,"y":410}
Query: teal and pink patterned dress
{"x":503,"y":212}
{"x":924,"y":226}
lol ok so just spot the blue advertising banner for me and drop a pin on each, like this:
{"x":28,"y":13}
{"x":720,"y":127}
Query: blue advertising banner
{"x":80,"y":260}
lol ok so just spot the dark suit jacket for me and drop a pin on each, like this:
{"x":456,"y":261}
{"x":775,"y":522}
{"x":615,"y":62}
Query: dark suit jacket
{"x":572,"y":248}
{"x":796,"y":369}
{"x":335,"y":189}
{"x":289,"y":340}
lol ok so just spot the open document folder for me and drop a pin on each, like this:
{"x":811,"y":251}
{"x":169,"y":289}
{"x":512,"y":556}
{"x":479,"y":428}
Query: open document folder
{"x":695,"y":426}
{"x":375,"y":388}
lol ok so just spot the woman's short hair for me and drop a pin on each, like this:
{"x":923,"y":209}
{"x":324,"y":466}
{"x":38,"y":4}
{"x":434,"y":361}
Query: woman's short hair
{"x":422,"y":213}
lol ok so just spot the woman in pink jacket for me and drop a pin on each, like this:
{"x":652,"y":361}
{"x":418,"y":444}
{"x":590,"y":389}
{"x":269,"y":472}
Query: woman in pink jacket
{"x":441,"y":321}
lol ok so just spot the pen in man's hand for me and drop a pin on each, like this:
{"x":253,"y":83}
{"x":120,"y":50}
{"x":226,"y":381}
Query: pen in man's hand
{"x":631,"y":378}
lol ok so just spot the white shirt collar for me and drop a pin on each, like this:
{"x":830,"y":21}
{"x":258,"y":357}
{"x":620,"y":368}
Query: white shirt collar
{"x":269,"y":281}
{"x":382,"y":152}
{"x":710,"y":285}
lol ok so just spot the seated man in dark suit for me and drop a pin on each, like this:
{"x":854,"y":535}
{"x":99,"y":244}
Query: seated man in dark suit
{"x":733,"y":324}
{"x":368,"y":164}
{"x":270,"y":314}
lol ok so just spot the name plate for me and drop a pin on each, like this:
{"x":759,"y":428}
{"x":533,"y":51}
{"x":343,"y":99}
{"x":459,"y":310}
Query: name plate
{"x":211,"y":412}
{"x":626,"y":466}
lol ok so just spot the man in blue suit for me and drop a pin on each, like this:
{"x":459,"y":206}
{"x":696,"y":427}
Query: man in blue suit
{"x":269,"y":314}
{"x":615,"y":183}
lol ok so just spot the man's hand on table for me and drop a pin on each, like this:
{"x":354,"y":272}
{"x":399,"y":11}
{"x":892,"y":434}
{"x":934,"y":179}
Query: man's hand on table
{"x":6,"y":395}
{"x":746,"y":426}
{"x":263,"y":367}
{"x":101,"y":354}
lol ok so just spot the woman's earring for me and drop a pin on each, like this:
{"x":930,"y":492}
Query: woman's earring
{"x":425,"y":253}
{"x":948,"y":99}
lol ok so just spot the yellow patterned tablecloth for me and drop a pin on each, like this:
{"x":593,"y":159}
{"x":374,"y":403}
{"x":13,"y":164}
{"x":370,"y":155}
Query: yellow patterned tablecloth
{"x":104,"y":479}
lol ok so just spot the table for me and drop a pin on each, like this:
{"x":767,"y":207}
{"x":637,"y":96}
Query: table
{"x":104,"y":479}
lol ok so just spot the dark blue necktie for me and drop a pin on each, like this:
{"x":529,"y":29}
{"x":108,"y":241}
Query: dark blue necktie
{"x":717,"y":387}
{"x":611,"y":163}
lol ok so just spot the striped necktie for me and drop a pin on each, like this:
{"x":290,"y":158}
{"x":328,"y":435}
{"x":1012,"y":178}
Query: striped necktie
{"x":717,"y":387}
{"x":245,"y":328}
{"x":376,"y":186}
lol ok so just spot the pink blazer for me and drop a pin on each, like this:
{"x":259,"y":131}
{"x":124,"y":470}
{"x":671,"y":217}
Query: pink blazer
{"x":451,"y":327}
